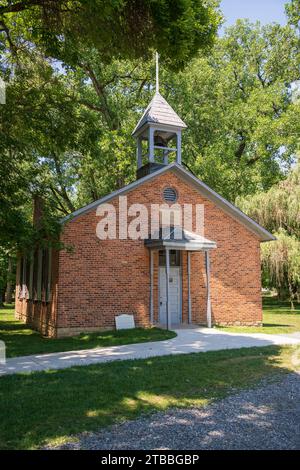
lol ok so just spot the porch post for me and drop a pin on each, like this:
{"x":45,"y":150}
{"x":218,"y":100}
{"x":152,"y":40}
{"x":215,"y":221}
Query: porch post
{"x":139,"y":155}
{"x":151,"y":287}
{"x":189,"y":287}
{"x":151,"y":144}
{"x":208,"y":305}
{"x":167,"y":288}
{"x":178,"y":156}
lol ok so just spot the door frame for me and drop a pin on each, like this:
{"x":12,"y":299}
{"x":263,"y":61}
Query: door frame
{"x":180,"y":292}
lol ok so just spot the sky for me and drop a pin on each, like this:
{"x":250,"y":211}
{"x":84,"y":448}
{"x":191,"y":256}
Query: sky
{"x":266,"y":11}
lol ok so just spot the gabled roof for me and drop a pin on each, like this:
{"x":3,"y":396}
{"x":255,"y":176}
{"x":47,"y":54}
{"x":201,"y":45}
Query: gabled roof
{"x":203,"y":189}
{"x":159,"y":112}
{"x":178,"y":238}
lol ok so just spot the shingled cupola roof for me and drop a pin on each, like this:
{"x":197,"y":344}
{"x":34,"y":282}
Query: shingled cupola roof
{"x":159,"y":112}
{"x":157,"y":134}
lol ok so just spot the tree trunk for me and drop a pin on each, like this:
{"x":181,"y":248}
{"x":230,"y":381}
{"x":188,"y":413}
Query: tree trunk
{"x":1,"y":299}
{"x":8,"y":293}
{"x":282,"y":293}
{"x":291,"y":295}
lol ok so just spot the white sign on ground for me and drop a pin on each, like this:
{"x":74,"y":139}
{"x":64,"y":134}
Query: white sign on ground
{"x":124,"y":322}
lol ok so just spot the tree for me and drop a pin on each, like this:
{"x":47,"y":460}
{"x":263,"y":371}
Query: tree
{"x":279,"y":211}
{"x":281,"y":266}
{"x":7,"y":276}
{"x":37,"y":130}
{"x":66,"y":134}
{"x":242,"y":121}
{"x":53,"y":139}
{"x":10,"y":281}
{"x":293,"y":12}
{"x":119,"y":28}
{"x":243,"y":124}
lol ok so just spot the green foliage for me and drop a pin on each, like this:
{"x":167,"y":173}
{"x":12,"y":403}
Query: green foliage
{"x":3,"y":274}
{"x":281,"y":265}
{"x":243,"y":125}
{"x":279,"y":211}
{"x":116,"y":28}
{"x":293,"y":12}
{"x":33,"y":145}
{"x":65,"y":132}
{"x":278,"y":208}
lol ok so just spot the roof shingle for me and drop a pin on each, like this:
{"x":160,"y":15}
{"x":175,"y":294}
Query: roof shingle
{"x":159,"y":112}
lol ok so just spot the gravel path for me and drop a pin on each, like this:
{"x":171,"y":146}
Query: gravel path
{"x":267,"y":417}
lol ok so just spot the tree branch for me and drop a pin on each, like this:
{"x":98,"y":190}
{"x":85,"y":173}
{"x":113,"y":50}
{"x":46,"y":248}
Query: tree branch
{"x":99,"y":88}
{"x":26,"y":4}
{"x":63,"y":192}
{"x":92,"y":106}
{"x":61,"y":208}
{"x":4,"y":28}
{"x":241,"y":148}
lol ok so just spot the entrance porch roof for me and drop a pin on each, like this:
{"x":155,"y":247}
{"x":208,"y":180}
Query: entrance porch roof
{"x":177,"y":238}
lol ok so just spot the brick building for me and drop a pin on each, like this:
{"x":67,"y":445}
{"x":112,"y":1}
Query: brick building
{"x":202,"y":266}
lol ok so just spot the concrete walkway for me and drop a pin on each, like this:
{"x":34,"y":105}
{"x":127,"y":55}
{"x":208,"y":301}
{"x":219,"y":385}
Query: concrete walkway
{"x":187,"y":341}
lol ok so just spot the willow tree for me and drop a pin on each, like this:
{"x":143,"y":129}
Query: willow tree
{"x":281,"y":264}
{"x":279,"y":211}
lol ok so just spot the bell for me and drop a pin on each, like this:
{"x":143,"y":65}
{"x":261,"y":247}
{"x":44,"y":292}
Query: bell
{"x":159,"y":141}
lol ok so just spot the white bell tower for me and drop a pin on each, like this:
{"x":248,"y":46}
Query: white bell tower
{"x":160,"y":127}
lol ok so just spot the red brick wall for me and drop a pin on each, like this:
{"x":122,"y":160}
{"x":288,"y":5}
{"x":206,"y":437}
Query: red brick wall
{"x":101,"y":279}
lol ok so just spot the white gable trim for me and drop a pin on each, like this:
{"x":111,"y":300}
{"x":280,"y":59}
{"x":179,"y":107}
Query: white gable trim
{"x":205,"y":190}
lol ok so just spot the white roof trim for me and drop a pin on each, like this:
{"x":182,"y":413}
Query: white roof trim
{"x":189,"y":241}
{"x":183,"y":246}
{"x":205,"y":190}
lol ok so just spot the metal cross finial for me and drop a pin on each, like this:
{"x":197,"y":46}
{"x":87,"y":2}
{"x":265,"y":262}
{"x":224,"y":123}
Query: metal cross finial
{"x":157,"y":74}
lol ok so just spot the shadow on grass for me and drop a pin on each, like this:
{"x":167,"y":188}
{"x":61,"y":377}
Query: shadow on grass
{"x":20,"y":340}
{"x":51,"y":406}
{"x":278,"y":306}
{"x":264,"y":419}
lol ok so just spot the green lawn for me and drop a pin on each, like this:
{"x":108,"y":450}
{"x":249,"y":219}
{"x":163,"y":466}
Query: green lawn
{"x":277,"y":318}
{"x":48,"y":407}
{"x":21,"y":340}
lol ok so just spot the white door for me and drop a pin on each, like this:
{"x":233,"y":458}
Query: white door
{"x":174,"y":293}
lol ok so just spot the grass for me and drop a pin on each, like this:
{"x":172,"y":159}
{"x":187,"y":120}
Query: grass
{"x":21,"y":340}
{"x":48,"y":407}
{"x":278,"y":318}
